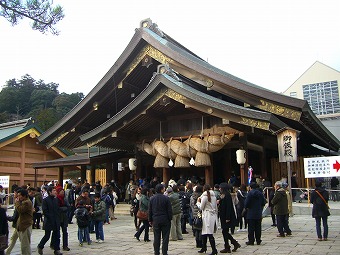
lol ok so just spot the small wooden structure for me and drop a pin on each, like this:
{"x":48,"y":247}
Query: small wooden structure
{"x":19,"y":149}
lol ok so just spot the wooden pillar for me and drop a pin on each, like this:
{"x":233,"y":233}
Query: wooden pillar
{"x":228,"y":165}
{"x":244,"y":167}
{"x":22,"y":162}
{"x":93,"y":174}
{"x":209,"y":177}
{"x":35,"y":177}
{"x":243,"y":174}
{"x":263,"y":162}
{"x":166,"y":175}
{"x":83,"y":173}
{"x":115,"y":171}
{"x":60,"y":175}
{"x":109,"y":171}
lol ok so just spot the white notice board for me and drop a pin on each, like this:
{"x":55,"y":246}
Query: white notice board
{"x":4,"y":181}
{"x":322,"y":167}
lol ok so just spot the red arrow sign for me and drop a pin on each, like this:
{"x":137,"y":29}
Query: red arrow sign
{"x":336,"y":166}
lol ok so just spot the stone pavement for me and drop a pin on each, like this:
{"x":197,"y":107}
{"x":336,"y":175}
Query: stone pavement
{"x":119,"y":239}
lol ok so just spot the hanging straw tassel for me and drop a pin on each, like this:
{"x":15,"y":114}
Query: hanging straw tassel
{"x":161,"y":162}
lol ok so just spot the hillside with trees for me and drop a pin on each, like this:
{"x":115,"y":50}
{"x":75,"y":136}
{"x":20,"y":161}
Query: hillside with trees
{"x":27,"y":97}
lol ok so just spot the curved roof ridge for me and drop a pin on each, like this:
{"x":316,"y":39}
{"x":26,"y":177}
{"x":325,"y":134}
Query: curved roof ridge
{"x":173,"y":45}
{"x":193,"y":94}
{"x":103,"y":81}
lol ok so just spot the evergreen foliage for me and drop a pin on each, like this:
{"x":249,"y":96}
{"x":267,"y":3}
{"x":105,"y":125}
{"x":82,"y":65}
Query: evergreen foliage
{"x":42,"y":13}
{"x":27,"y":97}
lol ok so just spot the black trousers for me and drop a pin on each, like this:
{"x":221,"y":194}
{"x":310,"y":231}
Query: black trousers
{"x":36,"y":219}
{"x":226,"y":237}
{"x":254,"y":230}
{"x":55,"y":239}
{"x":161,"y":230}
{"x":65,"y":235}
{"x":282,"y":224}
{"x":145,"y":227}
{"x":184,"y":223}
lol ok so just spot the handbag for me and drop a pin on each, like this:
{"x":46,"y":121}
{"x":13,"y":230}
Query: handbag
{"x":3,"y":242}
{"x":197,"y":221}
{"x":142,"y":215}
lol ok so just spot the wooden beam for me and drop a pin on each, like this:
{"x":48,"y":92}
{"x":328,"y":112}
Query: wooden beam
{"x":109,"y":171}
{"x":61,"y":175}
{"x":83,"y":173}
{"x":125,"y":135}
{"x":93,"y":174}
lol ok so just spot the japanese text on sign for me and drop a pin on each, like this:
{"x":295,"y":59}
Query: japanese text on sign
{"x":287,"y":145}
{"x":322,"y":167}
{"x":4,"y":181}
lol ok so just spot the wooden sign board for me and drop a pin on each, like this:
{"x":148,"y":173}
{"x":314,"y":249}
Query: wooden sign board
{"x":287,"y":145}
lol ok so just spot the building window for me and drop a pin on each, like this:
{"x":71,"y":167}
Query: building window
{"x":323,"y":98}
{"x":293,"y":94}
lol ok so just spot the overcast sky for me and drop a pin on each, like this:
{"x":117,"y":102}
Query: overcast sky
{"x":268,"y":43}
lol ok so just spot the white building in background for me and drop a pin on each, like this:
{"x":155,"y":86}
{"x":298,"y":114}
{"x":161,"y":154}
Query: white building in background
{"x":319,"y":85}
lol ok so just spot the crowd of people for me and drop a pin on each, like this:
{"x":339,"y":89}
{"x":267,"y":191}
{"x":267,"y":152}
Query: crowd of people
{"x":55,"y":207}
{"x":173,"y":210}
{"x":229,"y":205}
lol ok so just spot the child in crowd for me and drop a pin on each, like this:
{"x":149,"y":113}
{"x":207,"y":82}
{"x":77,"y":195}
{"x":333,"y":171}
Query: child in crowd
{"x":83,"y":219}
{"x":98,"y":214}
{"x":108,"y":202}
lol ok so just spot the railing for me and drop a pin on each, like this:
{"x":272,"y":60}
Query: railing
{"x":8,"y":200}
{"x":304,"y":193}
{"x":301,"y":195}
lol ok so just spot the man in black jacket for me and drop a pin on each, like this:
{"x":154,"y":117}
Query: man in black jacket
{"x":51,"y":221}
{"x":254,"y":204}
{"x":160,"y":215}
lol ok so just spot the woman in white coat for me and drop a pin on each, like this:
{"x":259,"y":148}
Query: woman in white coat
{"x":208,"y":204}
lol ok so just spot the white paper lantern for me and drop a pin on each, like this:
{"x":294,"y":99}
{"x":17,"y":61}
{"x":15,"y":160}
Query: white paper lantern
{"x":241,"y":157}
{"x":133,"y":164}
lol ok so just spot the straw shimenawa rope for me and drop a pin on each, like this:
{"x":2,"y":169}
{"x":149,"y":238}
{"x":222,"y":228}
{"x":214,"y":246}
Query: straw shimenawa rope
{"x":181,"y":152}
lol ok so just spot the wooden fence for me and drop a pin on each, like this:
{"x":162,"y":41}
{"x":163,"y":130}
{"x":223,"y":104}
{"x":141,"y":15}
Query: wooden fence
{"x":100,"y":176}
{"x":280,"y":168}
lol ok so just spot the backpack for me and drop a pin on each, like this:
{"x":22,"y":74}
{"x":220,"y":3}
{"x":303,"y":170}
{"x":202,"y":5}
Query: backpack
{"x":82,"y":217}
{"x":108,"y":200}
